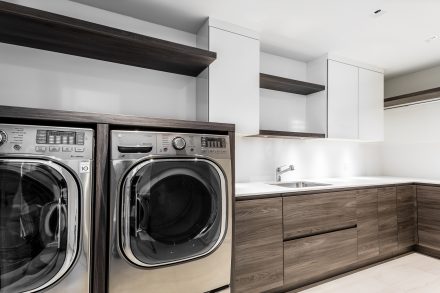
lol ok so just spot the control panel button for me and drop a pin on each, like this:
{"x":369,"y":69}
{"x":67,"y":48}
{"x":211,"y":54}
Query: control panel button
{"x":54,"y":149}
{"x":67,"y":149}
{"x":40,"y":149}
{"x":3,"y":137}
{"x":17,"y":147}
{"x":79,"y":150}
{"x":179,"y":143}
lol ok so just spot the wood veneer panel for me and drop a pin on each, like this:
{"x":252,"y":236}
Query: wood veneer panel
{"x":387,"y":220}
{"x":258,"y":245}
{"x":406,"y":215}
{"x":311,"y":214}
{"x":24,"y":26}
{"x":415,"y":97}
{"x":33,"y":114}
{"x":282,"y":84}
{"x":310,"y":257}
{"x":368,"y":223}
{"x":428,"y":206}
{"x":100,"y":218}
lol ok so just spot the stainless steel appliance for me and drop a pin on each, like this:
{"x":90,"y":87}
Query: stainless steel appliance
{"x":171,"y":212}
{"x":45,"y":208}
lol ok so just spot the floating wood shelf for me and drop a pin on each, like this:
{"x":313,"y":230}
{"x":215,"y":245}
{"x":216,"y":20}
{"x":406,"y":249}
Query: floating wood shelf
{"x":413,"y":98}
{"x":287,"y":134}
{"x":28,"y":27}
{"x":282,"y":84}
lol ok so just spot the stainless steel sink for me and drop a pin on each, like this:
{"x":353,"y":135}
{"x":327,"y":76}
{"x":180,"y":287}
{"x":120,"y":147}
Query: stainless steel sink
{"x":299,"y":184}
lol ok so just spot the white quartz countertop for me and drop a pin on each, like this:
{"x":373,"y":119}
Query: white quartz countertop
{"x":265,"y":188}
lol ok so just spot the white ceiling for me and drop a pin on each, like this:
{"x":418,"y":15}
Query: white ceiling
{"x":306,"y":29}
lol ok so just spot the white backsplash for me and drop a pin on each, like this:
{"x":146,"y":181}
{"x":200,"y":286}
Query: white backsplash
{"x":257,"y":158}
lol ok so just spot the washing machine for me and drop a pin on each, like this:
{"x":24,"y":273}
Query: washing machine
{"x":171,"y":214}
{"x":45,"y":208}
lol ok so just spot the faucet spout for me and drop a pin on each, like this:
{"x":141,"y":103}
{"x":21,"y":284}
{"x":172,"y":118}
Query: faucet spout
{"x":281,"y":170}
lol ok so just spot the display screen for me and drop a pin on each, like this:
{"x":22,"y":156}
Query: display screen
{"x":213,"y":142}
{"x":60,"y":137}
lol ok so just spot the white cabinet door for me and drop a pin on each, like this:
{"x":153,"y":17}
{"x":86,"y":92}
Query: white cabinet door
{"x":371,"y":108}
{"x":234,"y":91}
{"x":343,"y":102}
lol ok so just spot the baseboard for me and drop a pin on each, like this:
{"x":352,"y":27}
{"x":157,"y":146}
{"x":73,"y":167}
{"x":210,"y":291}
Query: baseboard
{"x":429,"y":251}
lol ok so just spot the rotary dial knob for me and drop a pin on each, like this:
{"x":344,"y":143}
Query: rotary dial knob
{"x":179,"y":143}
{"x":3,"y":137}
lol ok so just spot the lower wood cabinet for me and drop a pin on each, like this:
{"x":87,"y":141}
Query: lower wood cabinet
{"x":311,"y":258}
{"x":406,"y":215}
{"x":387,"y":202}
{"x":428,"y":206}
{"x":258,"y":245}
{"x":287,"y":242}
{"x":367,"y":223}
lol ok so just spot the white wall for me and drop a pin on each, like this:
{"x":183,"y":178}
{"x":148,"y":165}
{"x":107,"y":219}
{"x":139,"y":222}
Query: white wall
{"x":279,"y":110}
{"x":412,"y":133}
{"x":257,"y":158}
{"x":413,"y":82}
{"x":37,"y":78}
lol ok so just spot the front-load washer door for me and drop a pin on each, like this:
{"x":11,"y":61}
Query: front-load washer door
{"x":172,"y":210}
{"x":38,"y":224}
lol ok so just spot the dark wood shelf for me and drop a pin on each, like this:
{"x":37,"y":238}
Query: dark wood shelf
{"x":282,"y":84}
{"x":28,"y":27}
{"x":411,"y":98}
{"x":23,"y":114}
{"x":287,"y":134}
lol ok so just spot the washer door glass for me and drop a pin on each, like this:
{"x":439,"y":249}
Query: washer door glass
{"x":33,"y":216}
{"x":172,"y":210}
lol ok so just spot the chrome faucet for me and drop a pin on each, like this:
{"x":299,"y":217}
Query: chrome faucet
{"x":283,"y":169}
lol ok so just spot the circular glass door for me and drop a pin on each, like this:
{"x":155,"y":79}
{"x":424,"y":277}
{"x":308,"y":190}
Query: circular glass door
{"x":34,"y":233}
{"x":172,"y":211}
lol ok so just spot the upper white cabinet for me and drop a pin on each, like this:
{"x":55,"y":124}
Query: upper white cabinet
{"x":343,"y":102}
{"x":355,"y":102}
{"x":371,"y":105}
{"x":233,"y":79}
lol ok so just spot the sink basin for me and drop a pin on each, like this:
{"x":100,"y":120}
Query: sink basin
{"x":299,"y":184}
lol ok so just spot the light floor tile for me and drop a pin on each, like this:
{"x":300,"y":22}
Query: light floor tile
{"x":414,"y":273}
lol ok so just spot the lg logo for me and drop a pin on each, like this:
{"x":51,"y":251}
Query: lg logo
{"x":84,"y":167}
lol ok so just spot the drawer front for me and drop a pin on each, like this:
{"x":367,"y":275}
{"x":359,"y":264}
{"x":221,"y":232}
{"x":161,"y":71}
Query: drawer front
{"x":387,"y":220}
{"x":406,"y":215}
{"x":310,"y":214}
{"x":258,"y":245}
{"x":368,"y":223}
{"x":311,"y":258}
{"x":428,"y":205}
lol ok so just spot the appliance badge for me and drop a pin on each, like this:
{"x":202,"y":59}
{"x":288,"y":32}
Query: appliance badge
{"x":84,"y":167}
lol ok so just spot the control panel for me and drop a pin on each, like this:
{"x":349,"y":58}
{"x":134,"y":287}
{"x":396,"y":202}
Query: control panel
{"x":138,"y":144}
{"x":60,"y":142}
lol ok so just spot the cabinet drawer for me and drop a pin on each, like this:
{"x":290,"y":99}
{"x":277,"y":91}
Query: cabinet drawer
{"x":311,"y":258}
{"x":310,"y":214}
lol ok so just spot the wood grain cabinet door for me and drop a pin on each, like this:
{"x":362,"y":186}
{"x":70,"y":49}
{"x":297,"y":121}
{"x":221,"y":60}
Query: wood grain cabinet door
{"x":311,"y":214}
{"x":312,"y":258}
{"x":406,"y":215}
{"x":428,"y":206}
{"x":368,"y":223}
{"x":258,"y":245}
{"x":387,"y":220}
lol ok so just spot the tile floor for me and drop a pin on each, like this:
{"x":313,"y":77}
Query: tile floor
{"x":414,"y":273}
